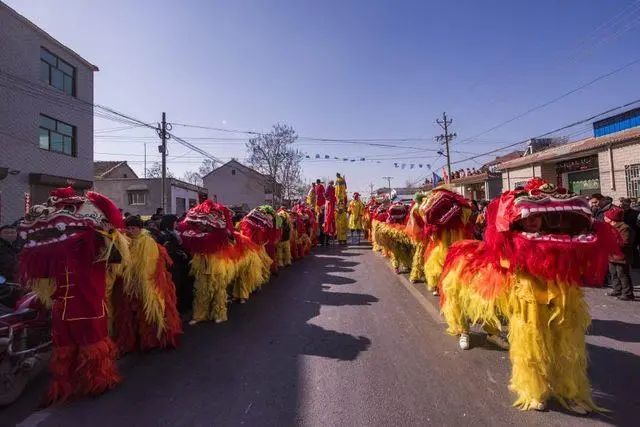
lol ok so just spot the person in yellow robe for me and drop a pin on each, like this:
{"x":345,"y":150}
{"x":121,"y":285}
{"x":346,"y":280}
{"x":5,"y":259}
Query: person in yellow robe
{"x":356,"y":213}
{"x":341,"y":189}
{"x":342,"y":224}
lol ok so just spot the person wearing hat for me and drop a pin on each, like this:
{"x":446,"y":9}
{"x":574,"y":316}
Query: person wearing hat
{"x":620,"y":277}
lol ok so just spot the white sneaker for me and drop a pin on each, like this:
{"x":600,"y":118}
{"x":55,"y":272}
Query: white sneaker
{"x":435,"y":293}
{"x":464,"y":342}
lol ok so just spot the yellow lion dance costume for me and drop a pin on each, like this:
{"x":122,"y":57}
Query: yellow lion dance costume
{"x":540,"y":246}
{"x":445,"y":215}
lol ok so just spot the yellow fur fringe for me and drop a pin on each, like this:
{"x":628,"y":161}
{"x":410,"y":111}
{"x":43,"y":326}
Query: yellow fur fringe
{"x":139,"y":279}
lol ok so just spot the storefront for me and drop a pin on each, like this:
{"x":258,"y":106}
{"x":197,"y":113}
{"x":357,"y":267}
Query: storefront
{"x":579,"y":176}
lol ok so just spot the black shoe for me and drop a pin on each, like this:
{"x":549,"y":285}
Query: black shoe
{"x":613,"y":294}
{"x":627,"y":298}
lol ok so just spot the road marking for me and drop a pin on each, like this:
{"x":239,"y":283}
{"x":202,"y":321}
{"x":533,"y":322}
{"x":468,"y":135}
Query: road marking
{"x":424,"y":302}
{"x":34,"y":419}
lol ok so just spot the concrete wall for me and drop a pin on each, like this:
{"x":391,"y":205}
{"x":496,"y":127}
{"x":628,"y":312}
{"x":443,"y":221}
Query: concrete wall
{"x":186,"y":194}
{"x":21,"y":105}
{"x":116,"y":190}
{"x":230,"y":189}
{"x":623,"y":155}
{"x":493,"y":188}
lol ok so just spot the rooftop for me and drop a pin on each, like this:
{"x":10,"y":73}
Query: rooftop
{"x":48,"y":36}
{"x":101,"y":168}
{"x":572,"y":148}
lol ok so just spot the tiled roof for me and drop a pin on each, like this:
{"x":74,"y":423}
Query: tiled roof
{"x":101,"y":168}
{"x":583,"y":145}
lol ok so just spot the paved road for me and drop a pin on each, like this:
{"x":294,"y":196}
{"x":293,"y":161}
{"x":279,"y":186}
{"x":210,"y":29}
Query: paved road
{"x":339,"y":339}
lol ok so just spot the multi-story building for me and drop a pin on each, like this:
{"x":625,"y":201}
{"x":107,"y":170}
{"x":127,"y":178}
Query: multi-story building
{"x":142,"y":196}
{"x":607,"y":163}
{"x":46,"y":116}
{"x":234,"y":184}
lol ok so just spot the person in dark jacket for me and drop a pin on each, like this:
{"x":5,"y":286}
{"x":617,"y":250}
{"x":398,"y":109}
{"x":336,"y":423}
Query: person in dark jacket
{"x":169,"y":238}
{"x":620,"y":276}
{"x":9,"y":249}
{"x":632,"y":219}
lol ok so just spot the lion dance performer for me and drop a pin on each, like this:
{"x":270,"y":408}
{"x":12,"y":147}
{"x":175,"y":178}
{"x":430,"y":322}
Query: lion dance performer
{"x":222,"y":260}
{"x":380,"y":214}
{"x":541,"y":244}
{"x":356,"y":212}
{"x":287,"y":247}
{"x":391,"y":235}
{"x":415,"y":231}
{"x":341,"y":189}
{"x":367,"y":217}
{"x":69,"y":241}
{"x":264,"y":227}
{"x":320,"y":196}
{"x":330,"y":211}
{"x":342,"y":223}
{"x":446,"y":220}
{"x":306,"y":227}
{"x":144,"y":301}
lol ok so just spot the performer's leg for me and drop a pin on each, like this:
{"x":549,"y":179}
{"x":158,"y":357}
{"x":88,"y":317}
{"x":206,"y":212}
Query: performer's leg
{"x":531,"y":360}
{"x":62,"y":366}
{"x":417,"y":270}
{"x":569,"y":381}
{"x":203,"y":296}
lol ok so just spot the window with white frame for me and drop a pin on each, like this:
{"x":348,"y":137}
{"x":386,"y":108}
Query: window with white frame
{"x":137,"y":197}
{"x":632,"y":175}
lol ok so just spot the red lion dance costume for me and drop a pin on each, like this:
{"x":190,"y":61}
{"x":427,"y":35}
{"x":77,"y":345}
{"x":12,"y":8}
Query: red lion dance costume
{"x":540,"y":246}
{"x":393,"y":239}
{"x":264,"y":227}
{"x":69,"y":242}
{"x":222,"y":260}
{"x":446,"y":220}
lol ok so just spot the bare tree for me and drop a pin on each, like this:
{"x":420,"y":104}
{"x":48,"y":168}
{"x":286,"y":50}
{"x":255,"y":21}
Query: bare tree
{"x":291,"y":173}
{"x":155,"y":171}
{"x":269,"y":153}
{"x":205,"y":168}
{"x":192,"y":178}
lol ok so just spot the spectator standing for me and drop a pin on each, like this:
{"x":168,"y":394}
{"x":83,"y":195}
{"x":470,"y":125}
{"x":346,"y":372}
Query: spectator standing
{"x":170,"y":239}
{"x":9,"y":249}
{"x":632,"y":219}
{"x":619,"y":270}
{"x":158,"y":215}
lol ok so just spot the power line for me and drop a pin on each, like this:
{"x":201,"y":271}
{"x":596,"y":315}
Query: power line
{"x":556,"y":99}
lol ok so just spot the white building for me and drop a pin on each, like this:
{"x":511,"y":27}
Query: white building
{"x":234,"y":184}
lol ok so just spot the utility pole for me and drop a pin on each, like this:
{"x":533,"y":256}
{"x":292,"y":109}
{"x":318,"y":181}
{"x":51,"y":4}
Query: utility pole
{"x":371,"y":189}
{"x":163,"y":132}
{"x":145,"y":159}
{"x":446,"y":137}
{"x":388,"y":178}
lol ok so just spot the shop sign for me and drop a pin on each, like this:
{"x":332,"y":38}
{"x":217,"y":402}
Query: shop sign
{"x":580,"y":164}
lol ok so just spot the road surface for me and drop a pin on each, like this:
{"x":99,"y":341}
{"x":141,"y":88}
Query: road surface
{"x":339,"y":339}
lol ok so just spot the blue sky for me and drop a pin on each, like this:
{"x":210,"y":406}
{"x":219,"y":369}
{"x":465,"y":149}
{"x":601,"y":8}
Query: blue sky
{"x":347,"y":69}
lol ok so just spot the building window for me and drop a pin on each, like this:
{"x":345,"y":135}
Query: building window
{"x":57,"y":136}
{"x":192,"y":203}
{"x":137,"y":197}
{"x":233,"y":171}
{"x":57,"y":73}
{"x":181,"y":205}
{"x":632,"y":174}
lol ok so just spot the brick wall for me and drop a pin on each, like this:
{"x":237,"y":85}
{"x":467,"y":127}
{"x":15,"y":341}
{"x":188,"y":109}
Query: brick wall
{"x":623,"y":155}
{"x":20,"y":114}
